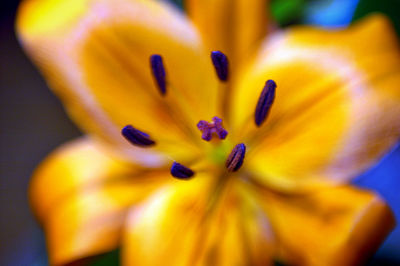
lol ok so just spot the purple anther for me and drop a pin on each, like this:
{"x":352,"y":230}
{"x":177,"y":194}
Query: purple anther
{"x":221,"y":65}
{"x":180,"y":171}
{"x":137,"y":137}
{"x":236,"y":158}
{"x":215,"y":127}
{"x":265,"y":102}
{"x":158,"y":71}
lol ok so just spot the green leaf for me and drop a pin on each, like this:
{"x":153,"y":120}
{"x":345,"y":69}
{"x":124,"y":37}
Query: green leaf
{"x":287,"y":11}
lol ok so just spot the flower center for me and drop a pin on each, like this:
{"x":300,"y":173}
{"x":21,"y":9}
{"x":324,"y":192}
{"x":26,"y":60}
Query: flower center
{"x":235,"y":159}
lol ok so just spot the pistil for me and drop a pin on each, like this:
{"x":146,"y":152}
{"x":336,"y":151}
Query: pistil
{"x":214,"y":127}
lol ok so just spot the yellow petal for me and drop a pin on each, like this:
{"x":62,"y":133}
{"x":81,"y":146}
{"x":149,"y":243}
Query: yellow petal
{"x":336,"y":108}
{"x":233,"y":27}
{"x":189,"y":223}
{"x":95,"y":55}
{"x":336,"y":226}
{"x":80,"y":196}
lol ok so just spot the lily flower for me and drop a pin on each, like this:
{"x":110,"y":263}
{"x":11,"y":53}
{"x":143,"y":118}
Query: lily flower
{"x":212,"y":140}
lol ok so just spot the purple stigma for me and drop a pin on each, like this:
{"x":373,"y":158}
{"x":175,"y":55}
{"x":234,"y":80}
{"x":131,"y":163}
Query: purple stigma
{"x":158,"y":71}
{"x":215,"y":127}
{"x":180,"y":171}
{"x":136,"y":137}
{"x":236,"y":158}
{"x":265,"y":102}
{"x":221,"y":65}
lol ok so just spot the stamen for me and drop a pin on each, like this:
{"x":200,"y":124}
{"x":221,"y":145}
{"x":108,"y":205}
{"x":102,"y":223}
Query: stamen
{"x":209,"y":128}
{"x":265,"y":102}
{"x":158,"y":71}
{"x":221,"y":64}
{"x":235,"y":159}
{"x":137,"y":137}
{"x":180,"y":171}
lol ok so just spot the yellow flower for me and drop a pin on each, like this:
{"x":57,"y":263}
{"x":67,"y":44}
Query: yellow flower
{"x":335,"y":113}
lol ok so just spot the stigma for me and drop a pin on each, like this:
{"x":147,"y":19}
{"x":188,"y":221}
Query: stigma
{"x":236,"y":158}
{"x":213,"y":128}
{"x":137,"y":137}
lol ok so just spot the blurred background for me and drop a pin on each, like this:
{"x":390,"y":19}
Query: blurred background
{"x":33,"y":123}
